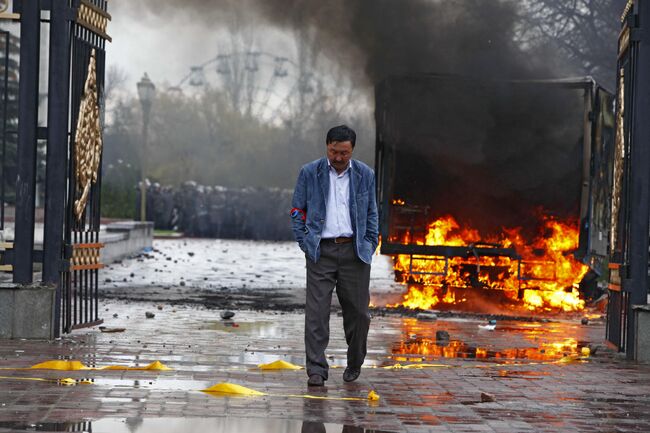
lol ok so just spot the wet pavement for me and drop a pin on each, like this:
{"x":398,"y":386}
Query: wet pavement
{"x":522,"y":376}
{"x":514,"y":378}
{"x":227,"y":274}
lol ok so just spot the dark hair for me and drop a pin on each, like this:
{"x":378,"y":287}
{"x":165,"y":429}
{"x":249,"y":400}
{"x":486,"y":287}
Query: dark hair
{"x":341,"y":133}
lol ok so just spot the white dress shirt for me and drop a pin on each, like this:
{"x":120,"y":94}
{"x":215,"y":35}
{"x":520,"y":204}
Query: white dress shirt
{"x":337,"y":213}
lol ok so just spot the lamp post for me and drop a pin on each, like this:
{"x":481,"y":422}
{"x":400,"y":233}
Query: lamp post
{"x":146,"y":94}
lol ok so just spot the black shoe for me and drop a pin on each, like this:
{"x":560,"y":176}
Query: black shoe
{"x":351,"y":374}
{"x":316,"y":380}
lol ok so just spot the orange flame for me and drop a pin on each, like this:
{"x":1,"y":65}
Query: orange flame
{"x":545,"y":279}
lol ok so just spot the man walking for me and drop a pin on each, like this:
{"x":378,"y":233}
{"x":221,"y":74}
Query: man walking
{"x":334,"y":219}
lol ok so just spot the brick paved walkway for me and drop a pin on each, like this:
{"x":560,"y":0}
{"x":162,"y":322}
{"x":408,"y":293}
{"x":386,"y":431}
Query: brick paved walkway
{"x":515,"y":366}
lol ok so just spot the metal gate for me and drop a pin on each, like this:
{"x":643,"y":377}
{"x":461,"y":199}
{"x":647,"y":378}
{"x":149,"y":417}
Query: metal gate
{"x":73,"y":137}
{"x":82,"y":217}
{"x":628,"y":281}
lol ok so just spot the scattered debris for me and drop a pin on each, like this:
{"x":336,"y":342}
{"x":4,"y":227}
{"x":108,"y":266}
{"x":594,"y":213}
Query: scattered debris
{"x":585,"y":321}
{"x":427,"y":315}
{"x":488,"y":327}
{"x":225,"y":315}
{"x":149,"y":315}
{"x":487,"y":398}
{"x":160,"y":307}
{"x":106,"y":329}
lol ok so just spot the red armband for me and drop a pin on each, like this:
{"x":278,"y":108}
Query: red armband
{"x":295,"y":212}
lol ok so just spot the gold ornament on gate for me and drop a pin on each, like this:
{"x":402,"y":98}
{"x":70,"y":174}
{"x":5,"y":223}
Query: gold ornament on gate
{"x":88,"y":139}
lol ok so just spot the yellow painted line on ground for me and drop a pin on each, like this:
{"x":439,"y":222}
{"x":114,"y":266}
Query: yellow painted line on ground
{"x":63,"y":381}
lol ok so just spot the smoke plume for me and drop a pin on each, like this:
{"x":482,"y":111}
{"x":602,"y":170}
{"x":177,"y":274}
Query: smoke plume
{"x":373,"y":39}
{"x":488,"y":154}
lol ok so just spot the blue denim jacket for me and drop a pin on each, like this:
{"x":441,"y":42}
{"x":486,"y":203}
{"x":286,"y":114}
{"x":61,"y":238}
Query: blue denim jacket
{"x":309,"y":208}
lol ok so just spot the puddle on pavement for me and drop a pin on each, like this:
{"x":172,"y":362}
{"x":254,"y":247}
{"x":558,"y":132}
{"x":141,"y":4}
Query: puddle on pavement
{"x":431,"y":348}
{"x":169,"y":425}
{"x":265,"y":329}
{"x":155,"y":384}
{"x":537,"y":342}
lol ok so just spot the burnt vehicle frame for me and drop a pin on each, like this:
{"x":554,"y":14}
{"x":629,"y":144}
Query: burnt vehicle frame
{"x":593,"y":166}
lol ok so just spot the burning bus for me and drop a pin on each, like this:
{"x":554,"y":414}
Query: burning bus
{"x":494,"y":195}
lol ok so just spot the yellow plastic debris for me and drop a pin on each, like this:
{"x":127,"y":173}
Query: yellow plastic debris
{"x":234,"y":389}
{"x":67,"y":381}
{"x":154,"y":366}
{"x":279,"y":365}
{"x":238,"y":390}
{"x":585,"y":351}
{"x":77,"y":365}
{"x":157,"y":366}
{"x":60,"y":365}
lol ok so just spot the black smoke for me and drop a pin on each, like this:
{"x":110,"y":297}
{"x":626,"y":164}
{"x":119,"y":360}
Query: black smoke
{"x":490,"y":154}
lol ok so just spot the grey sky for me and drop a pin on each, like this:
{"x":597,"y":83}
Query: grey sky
{"x":167,"y":46}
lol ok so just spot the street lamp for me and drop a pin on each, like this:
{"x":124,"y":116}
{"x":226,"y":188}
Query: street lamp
{"x":146,"y":94}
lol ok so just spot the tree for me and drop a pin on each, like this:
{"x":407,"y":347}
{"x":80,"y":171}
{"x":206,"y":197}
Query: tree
{"x":585,"y":32}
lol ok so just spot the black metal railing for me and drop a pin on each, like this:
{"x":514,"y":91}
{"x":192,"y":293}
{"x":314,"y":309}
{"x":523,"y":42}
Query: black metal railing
{"x":80,"y":305}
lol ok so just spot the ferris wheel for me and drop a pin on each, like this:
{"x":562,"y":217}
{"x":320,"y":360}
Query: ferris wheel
{"x":270,"y":87}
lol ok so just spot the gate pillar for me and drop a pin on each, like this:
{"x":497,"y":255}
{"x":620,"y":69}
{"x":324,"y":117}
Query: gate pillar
{"x":639,"y":213}
{"x":57,"y":145}
{"x":30,"y":40}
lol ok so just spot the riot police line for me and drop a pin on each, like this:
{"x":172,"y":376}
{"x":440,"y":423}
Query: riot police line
{"x":256,"y":213}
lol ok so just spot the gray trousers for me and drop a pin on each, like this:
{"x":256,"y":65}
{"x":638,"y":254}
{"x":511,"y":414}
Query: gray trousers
{"x":338,"y":267}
